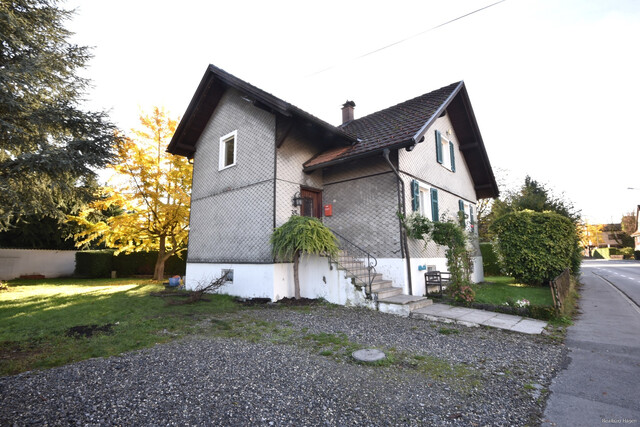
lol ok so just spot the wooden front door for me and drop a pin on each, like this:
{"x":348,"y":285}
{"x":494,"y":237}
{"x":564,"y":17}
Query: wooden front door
{"x":311,"y":202}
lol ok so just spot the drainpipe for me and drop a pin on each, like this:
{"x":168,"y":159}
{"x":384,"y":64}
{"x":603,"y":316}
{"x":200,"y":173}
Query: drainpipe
{"x":401,"y":203}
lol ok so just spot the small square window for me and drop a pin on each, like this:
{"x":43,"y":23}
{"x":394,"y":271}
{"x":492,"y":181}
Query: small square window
{"x":228,"y":149}
{"x":229,"y":273}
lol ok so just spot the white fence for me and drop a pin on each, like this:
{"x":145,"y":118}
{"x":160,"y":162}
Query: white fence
{"x":49,"y":263}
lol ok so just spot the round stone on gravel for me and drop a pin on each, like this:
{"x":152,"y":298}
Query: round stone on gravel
{"x":368,"y":355}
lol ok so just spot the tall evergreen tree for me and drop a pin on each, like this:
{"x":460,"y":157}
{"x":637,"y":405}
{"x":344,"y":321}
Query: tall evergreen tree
{"x":49,"y":147}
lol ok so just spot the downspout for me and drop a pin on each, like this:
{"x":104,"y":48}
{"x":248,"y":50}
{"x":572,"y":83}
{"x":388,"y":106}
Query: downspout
{"x":403,"y":238}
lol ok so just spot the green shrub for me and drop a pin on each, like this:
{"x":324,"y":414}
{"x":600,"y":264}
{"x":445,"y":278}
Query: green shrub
{"x":605,"y":253}
{"x":94,"y":264}
{"x":542,"y":312}
{"x":627,"y":252}
{"x":535,"y":247}
{"x":143,"y":263}
{"x":464,"y":295}
{"x":489,"y":260}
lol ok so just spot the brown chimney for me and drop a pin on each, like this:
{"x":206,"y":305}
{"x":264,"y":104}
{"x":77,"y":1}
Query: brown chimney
{"x":347,"y":111}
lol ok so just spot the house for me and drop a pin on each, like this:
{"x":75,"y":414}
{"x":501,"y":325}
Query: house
{"x":258,"y":160}
{"x":636,"y":235}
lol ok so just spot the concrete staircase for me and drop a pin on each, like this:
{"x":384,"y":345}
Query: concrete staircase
{"x":390,"y":299}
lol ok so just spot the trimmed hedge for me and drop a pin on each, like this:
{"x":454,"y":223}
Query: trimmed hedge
{"x":144,"y":263}
{"x":605,"y":253}
{"x":96,"y":264}
{"x":535,"y":247}
{"x":489,"y":260}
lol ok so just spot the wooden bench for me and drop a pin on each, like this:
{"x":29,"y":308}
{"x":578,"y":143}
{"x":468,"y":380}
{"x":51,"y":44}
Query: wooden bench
{"x":439,"y":279}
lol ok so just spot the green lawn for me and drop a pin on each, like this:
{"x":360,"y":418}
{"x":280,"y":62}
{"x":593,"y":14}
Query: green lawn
{"x":497,"y":289}
{"x":36,"y":316}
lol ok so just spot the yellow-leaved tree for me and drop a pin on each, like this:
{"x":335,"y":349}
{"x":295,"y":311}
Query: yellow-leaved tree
{"x":153,"y":189}
{"x":591,"y":236}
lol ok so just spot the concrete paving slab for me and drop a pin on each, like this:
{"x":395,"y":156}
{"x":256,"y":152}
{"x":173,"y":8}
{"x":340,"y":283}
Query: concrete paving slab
{"x":473,"y":317}
{"x":456,"y":312}
{"x":502,"y":321}
{"x":433,"y":309}
{"x":478,"y":316}
{"x":529,"y":326}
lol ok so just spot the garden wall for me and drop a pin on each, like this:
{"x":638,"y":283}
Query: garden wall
{"x":49,"y":263}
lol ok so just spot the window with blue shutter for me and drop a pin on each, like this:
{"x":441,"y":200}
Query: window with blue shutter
{"x":439,"y":156}
{"x":453,"y":156}
{"x":434,"y":205}
{"x":461,"y":212}
{"x":415,"y":195}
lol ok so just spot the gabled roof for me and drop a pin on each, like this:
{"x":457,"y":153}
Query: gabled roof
{"x":400,"y":126}
{"x":395,"y":127}
{"x":405,"y":124}
{"x":213,"y":85}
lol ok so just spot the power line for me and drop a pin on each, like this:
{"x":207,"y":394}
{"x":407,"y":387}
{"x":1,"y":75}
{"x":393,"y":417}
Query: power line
{"x":410,"y":37}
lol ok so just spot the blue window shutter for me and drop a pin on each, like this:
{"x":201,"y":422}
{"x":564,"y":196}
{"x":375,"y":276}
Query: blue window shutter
{"x":461,"y":212}
{"x":439,"y":147}
{"x":415,"y":195}
{"x":453,"y":156}
{"x":435,"y":215}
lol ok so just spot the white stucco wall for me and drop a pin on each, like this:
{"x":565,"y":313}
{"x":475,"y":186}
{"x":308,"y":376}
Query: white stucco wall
{"x":49,"y":263}
{"x":318,"y":279}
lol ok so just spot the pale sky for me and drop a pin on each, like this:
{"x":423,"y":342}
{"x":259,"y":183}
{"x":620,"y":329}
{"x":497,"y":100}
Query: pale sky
{"x":554,"y":84}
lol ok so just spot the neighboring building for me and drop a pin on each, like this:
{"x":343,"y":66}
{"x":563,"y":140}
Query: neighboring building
{"x":611,"y":236}
{"x":636,"y":235}
{"x":258,"y":160}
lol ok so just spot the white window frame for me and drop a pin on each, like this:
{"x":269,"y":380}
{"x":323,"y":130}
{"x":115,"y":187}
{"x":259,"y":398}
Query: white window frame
{"x":467,"y":216}
{"x":223,"y":150}
{"x":230,"y":276}
{"x":446,"y":151}
{"x":425,"y":200}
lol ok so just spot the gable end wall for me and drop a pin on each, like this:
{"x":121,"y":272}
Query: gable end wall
{"x":232,"y":209}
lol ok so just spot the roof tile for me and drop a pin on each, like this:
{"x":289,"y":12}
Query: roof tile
{"x":388,"y":127}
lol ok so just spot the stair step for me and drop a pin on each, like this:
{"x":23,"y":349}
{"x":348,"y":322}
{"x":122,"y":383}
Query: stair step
{"x":381,"y":284}
{"x":388,"y":292}
{"x":352,"y":265}
{"x":414,"y":302}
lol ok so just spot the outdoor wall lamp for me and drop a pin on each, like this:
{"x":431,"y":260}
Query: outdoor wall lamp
{"x":297,"y":200}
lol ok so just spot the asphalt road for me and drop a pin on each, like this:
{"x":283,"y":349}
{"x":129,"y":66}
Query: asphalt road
{"x":601,"y":382}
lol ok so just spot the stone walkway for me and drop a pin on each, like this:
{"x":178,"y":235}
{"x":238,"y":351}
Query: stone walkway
{"x":473,"y":317}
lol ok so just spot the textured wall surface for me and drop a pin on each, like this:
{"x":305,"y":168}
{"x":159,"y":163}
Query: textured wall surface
{"x":364,"y":212}
{"x":232,"y":209}
{"x":233,"y":226}
{"x":291,"y":155}
{"x":447,"y":207}
{"x":255,"y":147}
{"x":422,"y":164}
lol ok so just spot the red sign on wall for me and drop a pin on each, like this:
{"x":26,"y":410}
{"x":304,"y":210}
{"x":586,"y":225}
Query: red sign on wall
{"x":328,"y":210}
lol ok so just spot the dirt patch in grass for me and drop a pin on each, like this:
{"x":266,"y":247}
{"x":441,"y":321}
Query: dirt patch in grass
{"x":302,"y":302}
{"x":284,"y":302}
{"x":87,"y":331}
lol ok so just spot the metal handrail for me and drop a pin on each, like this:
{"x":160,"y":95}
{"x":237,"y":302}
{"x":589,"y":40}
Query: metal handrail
{"x":353,"y":254}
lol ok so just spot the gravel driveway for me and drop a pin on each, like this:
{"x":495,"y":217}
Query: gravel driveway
{"x":283,"y":366}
